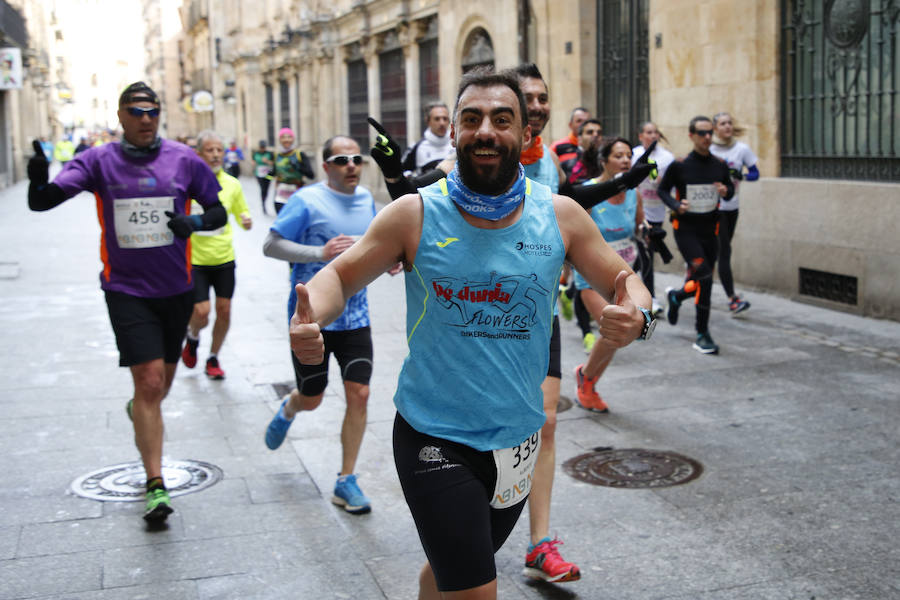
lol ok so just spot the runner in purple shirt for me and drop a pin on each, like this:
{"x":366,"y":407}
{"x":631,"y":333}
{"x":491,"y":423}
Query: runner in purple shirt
{"x":143,"y":188}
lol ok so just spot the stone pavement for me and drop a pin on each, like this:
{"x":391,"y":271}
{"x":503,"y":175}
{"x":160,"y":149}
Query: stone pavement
{"x":795,"y":424}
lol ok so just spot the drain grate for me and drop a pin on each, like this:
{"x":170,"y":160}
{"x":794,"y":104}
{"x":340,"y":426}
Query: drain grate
{"x":126,"y":482}
{"x":633,"y":468}
{"x":829,"y":286}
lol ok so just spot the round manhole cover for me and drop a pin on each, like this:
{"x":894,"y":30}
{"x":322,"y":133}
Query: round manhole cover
{"x":126,"y":482}
{"x":565,"y":404}
{"x":633,"y":468}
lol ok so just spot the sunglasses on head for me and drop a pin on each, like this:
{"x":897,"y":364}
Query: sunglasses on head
{"x":344,"y":159}
{"x":703,"y":132}
{"x":136,"y":111}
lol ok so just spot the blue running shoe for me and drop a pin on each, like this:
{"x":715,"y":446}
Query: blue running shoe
{"x":278,"y":427}
{"x":673,"y":305}
{"x":348,"y":495}
{"x":705,"y":344}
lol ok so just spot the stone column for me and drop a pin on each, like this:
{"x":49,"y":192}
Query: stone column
{"x":309,"y":133}
{"x":413,"y":101}
{"x":373,"y":80}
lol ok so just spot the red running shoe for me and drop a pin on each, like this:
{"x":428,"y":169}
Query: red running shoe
{"x":213,"y":370}
{"x":544,"y":562}
{"x":189,"y":353}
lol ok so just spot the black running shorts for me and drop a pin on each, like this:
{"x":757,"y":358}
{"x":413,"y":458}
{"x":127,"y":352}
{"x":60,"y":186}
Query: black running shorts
{"x":448,"y":488}
{"x":353,"y":351}
{"x":554,"y":369}
{"x":219,"y":277}
{"x":149,"y":328}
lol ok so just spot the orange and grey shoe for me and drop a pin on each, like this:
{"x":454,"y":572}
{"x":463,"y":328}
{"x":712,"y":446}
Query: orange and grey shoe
{"x":585,"y":395}
{"x":544,"y":562}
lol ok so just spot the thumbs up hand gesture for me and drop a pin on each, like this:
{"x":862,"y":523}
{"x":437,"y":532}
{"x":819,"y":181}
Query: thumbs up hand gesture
{"x":306,"y":337}
{"x":38,"y":165}
{"x":621,"y":322}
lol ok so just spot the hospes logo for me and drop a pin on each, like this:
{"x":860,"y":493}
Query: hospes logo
{"x":534,"y":248}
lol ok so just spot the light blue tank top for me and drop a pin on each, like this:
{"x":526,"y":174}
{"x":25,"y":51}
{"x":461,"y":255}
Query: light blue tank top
{"x":615,"y":222}
{"x":479,"y":317}
{"x":544,"y":171}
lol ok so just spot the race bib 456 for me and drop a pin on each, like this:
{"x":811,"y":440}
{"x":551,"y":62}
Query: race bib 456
{"x":142,"y":222}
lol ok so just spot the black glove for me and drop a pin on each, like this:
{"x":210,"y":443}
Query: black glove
{"x":183,"y":225}
{"x":634,"y":176}
{"x":38,"y":165}
{"x":639,"y":172}
{"x":645,"y":157}
{"x":736,"y":174}
{"x":386,"y":152}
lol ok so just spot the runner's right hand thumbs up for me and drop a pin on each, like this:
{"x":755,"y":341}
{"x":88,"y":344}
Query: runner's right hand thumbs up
{"x":620,"y":322}
{"x":306,"y":337}
{"x":38,"y":165}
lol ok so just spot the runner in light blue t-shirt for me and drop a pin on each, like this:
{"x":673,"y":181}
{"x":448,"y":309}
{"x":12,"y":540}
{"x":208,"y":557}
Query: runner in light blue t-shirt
{"x":317,"y":224}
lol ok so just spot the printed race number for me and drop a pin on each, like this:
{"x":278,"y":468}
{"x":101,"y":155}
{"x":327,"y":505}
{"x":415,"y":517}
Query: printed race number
{"x":702,"y":198}
{"x":142,"y":222}
{"x":626,"y":248}
{"x":515,"y":468}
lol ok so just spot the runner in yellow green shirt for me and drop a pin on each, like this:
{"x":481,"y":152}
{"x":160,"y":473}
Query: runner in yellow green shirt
{"x":212,"y":260}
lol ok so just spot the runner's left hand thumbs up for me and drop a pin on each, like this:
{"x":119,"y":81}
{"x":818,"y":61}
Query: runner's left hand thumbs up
{"x":306,"y":337}
{"x":621,"y":322}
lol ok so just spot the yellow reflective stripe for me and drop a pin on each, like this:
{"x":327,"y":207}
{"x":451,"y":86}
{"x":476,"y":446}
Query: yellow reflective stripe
{"x":527,"y":187}
{"x":443,"y":184}
{"x":424,"y":302}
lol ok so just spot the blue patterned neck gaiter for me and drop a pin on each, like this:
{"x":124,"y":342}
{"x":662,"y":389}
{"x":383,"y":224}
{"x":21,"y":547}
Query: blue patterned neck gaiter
{"x":492,"y":208}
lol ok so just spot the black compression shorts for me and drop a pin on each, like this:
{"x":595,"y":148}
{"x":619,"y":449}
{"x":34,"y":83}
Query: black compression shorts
{"x":353,"y":351}
{"x":220,"y":277}
{"x":149,"y":328}
{"x":448,"y":488}
{"x":554,"y":369}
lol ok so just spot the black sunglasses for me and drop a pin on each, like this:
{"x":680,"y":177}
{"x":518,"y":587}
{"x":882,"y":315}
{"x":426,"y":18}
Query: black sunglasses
{"x":344,"y":159}
{"x":703,"y":132}
{"x":136,"y":111}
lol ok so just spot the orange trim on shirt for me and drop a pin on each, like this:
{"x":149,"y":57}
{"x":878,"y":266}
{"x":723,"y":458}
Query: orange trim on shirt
{"x":187,"y":248}
{"x":104,"y":253}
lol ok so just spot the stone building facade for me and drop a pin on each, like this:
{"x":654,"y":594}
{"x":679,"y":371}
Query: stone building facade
{"x":32,"y":110}
{"x":823,"y":233}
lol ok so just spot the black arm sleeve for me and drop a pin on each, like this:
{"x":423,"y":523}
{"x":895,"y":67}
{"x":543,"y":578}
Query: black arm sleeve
{"x":214,"y":217}
{"x":405,"y":185}
{"x":44,"y":197}
{"x":665,"y":185}
{"x":589,"y":195}
{"x":401,"y":187}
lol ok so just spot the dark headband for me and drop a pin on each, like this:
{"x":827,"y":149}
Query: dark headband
{"x":138,"y":92}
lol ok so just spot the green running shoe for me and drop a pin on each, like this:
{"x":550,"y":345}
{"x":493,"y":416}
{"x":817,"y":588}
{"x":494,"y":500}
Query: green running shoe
{"x":565,"y":305}
{"x":159,"y":505}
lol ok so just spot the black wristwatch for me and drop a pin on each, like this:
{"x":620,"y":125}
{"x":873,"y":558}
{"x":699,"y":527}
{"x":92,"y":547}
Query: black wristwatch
{"x":649,"y":324}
